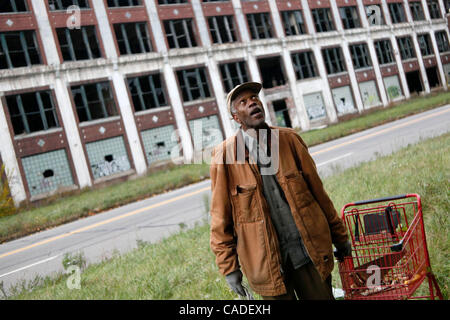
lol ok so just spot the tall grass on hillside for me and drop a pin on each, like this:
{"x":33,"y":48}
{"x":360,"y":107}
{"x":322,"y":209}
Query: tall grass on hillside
{"x":182,"y":266}
{"x":6,"y":202}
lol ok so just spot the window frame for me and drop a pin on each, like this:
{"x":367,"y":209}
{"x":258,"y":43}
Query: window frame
{"x":409,"y":50}
{"x":189,"y":33}
{"x":254,"y":28}
{"x":241,"y":70}
{"x":229,"y":25}
{"x":442,"y":41}
{"x":14,"y":7}
{"x":381,"y":51}
{"x":116,"y":3}
{"x":362,"y":58}
{"x":68,"y":33}
{"x":153,"y":90}
{"x":346,"y":20}
{"x":124,"y":37}
{"x":339,"y":57}
{"x":414,"y":8}
{"x":299,"y":20}
{"x":59,"y":5}
{"x":185,"y":87}
{"x":434,"y":9}
{"x":318,"y":14}
{"x":397,"y":14}
{"x":425,"y":39}
{"x":25,"y":48}
{"x":299,"y":67}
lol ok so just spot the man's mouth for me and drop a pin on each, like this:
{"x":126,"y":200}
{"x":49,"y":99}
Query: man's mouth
{"x":256,"y":112}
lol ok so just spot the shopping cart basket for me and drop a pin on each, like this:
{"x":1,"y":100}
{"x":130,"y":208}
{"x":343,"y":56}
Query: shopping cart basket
{"x":389,"y":250}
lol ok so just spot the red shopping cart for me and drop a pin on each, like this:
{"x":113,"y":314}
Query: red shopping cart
{"x":389,"y":250}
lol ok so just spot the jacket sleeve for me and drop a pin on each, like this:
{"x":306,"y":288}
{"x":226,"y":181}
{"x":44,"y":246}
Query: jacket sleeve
{"x":222,"y":239}
{"x":337,"y":227}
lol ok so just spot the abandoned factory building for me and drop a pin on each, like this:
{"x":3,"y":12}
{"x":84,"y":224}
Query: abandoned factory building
{"x":97,"y":90}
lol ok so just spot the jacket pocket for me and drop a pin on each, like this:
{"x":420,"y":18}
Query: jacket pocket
{"x":299,"y":189}
{"x":252,"y":252}
{"x":244,"y":199}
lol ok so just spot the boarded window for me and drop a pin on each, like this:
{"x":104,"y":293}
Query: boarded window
{"x":369,"y":93}
{"x":343,"y":99}
{"x":160,"y":144}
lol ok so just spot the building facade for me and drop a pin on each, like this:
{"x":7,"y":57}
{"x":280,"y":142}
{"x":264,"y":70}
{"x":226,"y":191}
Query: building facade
{"x":96,"y":90}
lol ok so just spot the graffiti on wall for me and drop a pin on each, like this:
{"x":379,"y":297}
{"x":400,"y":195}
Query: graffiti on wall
{"x":110,"y":166}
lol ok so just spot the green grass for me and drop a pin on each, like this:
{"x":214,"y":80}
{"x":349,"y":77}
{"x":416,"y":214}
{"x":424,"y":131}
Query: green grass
{"x":182,"y":266}
{"x":89,"y":201}
{"x":376,"y":117}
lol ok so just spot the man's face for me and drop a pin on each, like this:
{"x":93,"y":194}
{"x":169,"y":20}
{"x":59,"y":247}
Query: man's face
{"x":249,"y":110}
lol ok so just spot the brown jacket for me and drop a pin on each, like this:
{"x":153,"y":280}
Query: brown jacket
{"x":242,"y":233}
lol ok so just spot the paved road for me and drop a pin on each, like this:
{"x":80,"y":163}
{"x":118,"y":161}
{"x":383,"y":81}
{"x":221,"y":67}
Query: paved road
{"x":118,"y":230}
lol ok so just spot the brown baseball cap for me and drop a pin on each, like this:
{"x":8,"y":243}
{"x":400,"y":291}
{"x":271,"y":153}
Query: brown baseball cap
{"x":252,"y":86}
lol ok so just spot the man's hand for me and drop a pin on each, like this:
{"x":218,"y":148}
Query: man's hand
{"x":234,"y":280}
{"x":343,"y":250}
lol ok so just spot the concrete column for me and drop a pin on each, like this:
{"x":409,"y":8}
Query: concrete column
{"x":401,"y":71}
{"x":409,"y":17}
{"x":63,"y":97}
{"x":16,"y":184}
{"x":442,"y":7}
{"x":387,"y":14}
{"x":438,"y":60}
{"x":376,"y":68}
{"x":351,"y":73}
{"x":157,"y":32}
{"x":362,"y":14}
{"x":423,"y":72}
{"x":425,"y":10}
{"x":327,"y":96}
{"x":308,"y":17}
{"x":241,"y":21}
{"x":178,"y":111}
{"x":202,"y":25}
{"x":105,"y":30}
{"x":300,"y":121}
{"x":121,"y":90}
{"x":336,"y":16}
{"x":219,"y":93}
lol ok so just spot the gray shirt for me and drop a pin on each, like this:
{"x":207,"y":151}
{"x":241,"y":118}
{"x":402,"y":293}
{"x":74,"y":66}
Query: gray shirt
{"x":291,"y":244}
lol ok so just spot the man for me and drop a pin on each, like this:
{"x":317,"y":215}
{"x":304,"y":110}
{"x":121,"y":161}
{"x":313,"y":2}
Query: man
{"x":278,"y":226}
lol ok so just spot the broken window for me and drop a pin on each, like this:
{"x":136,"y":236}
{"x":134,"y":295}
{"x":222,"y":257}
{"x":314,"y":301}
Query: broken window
{"x":180,"y":33}
{"x":171,"y":1}
{"x":334,"y":60}
{"x":350,"y":18}
{"x":194,"y":84}
{"x":375,"y":15}
{"x":94,"y":101}
{"x":397,"y":12}
{"x":425,"y":44}
{"x":222,"y":29}
{"x":304,"y":65}
{"x":360,"y":56}
{"x":64,"y":4}
{"x":271,"y":72}
{"x":31,"y":112}
{"x":18,"y":49}
{"x":13,"y":6}
{"x":433,"y":7}
{"x":133,"y":38}
{"x":417,"y":11}
{"x":384,"y":52}
{"x":123,"y":3}
{"x":406,"y":48}
{"x":147,"y":92}
{"x":260,"y":25}
{"x":78,"y":44}
{"x":233,"y":74}
{"x":442,"y":40}
{"x":293,"y":22}
{"x":323,"y":19}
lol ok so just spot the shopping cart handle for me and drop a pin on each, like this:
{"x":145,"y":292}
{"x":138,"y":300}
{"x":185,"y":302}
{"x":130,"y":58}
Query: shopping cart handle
{"x":397,"y":247}
{"x":402,"y":196}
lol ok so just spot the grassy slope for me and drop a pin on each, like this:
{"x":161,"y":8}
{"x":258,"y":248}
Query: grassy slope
{"x":182,"y":266}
